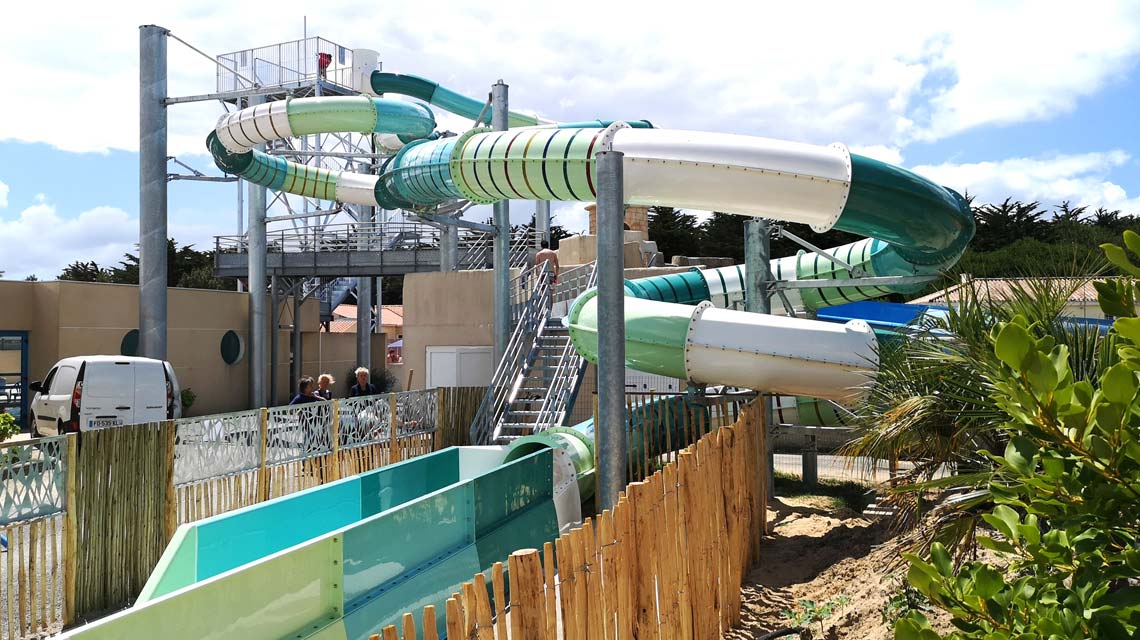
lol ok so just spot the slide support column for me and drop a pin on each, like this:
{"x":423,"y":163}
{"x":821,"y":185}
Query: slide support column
{"x":502,"y":220}
{"x":152,"y":192}
{"x":542,"y":219}
{"x":611,"y":330}
{"x":258,"y":321}
{"x":757,"y":277}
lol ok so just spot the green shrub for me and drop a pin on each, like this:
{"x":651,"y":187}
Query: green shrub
{"x":8,"y":426}
{"x":1066,"y":494}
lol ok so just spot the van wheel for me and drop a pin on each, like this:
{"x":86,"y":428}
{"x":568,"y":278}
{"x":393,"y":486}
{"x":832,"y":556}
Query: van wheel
{"x":35,"y":427}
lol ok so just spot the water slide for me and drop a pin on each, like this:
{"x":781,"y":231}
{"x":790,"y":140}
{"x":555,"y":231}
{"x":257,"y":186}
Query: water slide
{"x":676,"y":325}
{"x":341,"y":560}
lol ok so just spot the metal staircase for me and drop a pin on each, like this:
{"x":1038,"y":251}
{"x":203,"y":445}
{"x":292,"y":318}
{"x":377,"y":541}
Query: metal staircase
{"x":537,"y":380}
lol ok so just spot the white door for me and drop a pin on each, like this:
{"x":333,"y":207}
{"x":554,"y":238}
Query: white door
{"x":150,"y":392}
{"x":108,"y":395}
{"x":59,"y":395}
{"x":41,"y":406}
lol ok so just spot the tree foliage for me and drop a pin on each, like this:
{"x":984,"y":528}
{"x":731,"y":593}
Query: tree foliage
{"x":675,"y":231}
{"x":185,"y":267}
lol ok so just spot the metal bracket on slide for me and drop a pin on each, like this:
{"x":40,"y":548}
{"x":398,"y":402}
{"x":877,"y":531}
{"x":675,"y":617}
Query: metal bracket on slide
{"x":607,"y":139}
{"x":856,"y":272}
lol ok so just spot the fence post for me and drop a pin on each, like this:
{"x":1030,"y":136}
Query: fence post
{"x":810,"y":462}
{"x":70,"y":525}
{"x":440,"y":418}
{"x":170,"y":506}
{"x":394,"y":445}
{"x":335,"y":440}
{"x":262,"y":469}
{"x":527,"y":592}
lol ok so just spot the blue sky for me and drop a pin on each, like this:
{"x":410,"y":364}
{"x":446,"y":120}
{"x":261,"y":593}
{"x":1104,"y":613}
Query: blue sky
{"x":1030,"y":100}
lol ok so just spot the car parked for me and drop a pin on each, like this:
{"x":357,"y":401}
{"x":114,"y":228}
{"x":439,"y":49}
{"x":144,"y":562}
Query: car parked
{"x":82,"y":393}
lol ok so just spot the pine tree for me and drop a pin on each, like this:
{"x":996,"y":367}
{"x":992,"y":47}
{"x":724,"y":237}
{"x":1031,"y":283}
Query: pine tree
{"x":675,"y":232}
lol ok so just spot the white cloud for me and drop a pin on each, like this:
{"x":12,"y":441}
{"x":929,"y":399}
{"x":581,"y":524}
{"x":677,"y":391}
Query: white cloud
{"x":3,"y":195}
{"x":1080,"y":178}
{"x":806,"y":72}
{"x":891,"y":155}
{"x":41,"y":241}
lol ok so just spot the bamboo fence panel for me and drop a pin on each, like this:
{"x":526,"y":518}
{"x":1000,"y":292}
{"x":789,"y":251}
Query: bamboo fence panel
{"x":665,"y":564}
{"x":457,"y":409}
{"x":121,"y":507}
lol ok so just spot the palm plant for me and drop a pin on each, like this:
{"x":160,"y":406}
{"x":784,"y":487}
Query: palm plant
{"x":932,"y":401}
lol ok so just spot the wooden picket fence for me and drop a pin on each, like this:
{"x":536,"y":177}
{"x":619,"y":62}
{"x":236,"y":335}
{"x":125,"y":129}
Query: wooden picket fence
{"x":667,"y":562}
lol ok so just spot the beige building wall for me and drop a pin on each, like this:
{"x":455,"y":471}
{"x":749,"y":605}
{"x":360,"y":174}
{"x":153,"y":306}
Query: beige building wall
{"x":445,"y":309}
{"x":335,"y":353}
{"x":79,"y":318}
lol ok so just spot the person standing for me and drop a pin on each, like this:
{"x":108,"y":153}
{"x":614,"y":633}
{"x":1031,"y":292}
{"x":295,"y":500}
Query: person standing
{"x":324,"y":386}
{"x":546,"y":254}
{"x":362,"y":387}
{"x":305,"y":392}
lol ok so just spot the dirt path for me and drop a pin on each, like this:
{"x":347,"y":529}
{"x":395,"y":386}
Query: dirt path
{"x":818,"y":553}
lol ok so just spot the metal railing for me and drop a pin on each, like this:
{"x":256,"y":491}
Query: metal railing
{"x":479,"y":253}
{"x":519,"y":353}
{"x":286,"y":63}
{"x":381,"y":236}
{"x":563,"y":390}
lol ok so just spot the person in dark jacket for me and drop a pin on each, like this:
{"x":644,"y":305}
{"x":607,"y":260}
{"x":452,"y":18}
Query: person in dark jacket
{"x":305,"y":393}
{"x":362,"y":387}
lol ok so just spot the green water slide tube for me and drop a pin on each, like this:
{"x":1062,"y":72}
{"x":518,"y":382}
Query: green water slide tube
{"x":343,"y":560}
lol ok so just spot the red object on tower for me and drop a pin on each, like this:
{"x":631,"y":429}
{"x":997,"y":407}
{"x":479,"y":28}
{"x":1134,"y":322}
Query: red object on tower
{"x":323,"y":62}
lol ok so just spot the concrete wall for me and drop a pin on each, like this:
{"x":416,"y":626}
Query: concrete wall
{"x":445,"y":309}
{"x":583,"y":249}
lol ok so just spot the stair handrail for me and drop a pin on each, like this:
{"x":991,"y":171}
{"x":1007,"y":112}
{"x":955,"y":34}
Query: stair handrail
{"x":520,"y":350}
{"x":565,"y":381}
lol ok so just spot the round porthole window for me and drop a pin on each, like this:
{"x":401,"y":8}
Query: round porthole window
{"x":130,"y":343}
{"x":233,"y":347}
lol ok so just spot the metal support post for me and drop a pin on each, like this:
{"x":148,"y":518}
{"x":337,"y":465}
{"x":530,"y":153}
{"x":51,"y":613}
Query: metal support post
{"x":446,"y":245}
{"x":452,"y":233}
{"x":298,"y":360}
{"x":542,"y":219}
{"x":757,"y":282}
{"x":502,"y":220}
{"x":152,"y":192}
{"x":611,"y":330}
{"x":258,"y":318}
{"x":364,"y":322}
{"x":274,"y":340}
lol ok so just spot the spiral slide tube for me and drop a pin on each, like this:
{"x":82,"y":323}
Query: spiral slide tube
{"x":913,"y":226}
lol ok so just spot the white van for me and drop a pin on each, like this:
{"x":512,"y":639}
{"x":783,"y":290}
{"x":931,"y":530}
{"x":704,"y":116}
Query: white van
{"x":95,"y":392}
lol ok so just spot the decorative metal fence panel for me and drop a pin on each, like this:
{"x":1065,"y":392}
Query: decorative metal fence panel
{"x":364,"y":420}
{"x":32,"y":478}
{"x":216,"y":445}
{"x":298,"y":432}
{"x":416,"y":412}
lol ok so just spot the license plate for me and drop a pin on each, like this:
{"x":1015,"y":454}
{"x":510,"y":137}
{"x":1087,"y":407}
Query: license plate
{"x":103,"y":423}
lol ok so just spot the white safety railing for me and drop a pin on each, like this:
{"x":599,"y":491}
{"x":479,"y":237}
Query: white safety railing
{"x":295,"y":62}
